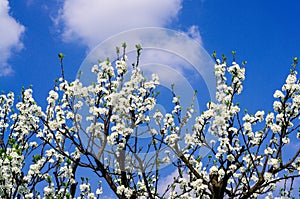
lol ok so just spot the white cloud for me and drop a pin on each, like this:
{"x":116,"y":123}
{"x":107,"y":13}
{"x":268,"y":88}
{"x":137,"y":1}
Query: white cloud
{"x":95,"y":20}
{"x":167,"y":181}
{"x":167,"y":51}
{"x":10,"y":35}
{"x":193,"y":32}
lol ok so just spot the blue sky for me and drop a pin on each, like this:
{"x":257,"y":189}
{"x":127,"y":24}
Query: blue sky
{"x":265,"y":33}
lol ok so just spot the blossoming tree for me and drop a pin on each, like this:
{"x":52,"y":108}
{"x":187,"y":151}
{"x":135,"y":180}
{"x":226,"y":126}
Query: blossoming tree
{"x":42,"y":151}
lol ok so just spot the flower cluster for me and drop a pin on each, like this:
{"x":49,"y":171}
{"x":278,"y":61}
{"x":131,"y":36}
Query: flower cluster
{"x":246,"y":161}
{"x":103,"y":127}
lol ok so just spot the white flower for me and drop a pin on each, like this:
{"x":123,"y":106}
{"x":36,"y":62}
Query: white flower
{"x":95,"y":68}
{"x":221,"y":172}
{"x":48,"y":190}
{"x":213,"y":170}
{"x":157,"y":115}
{"x":122,"y":189}
{"x":84,"y":187}
{"x":175,"y":100}
{"x":29,"y":195}
{"x":273,"y":162}
{"x":230,"y":157}
{"x":33,"y":144}
{"x":189,"y":139}
{"x":247,"y":126}
{"x":276,"y":105}
{"x":291,"y":79}
{"x":286,"y":140}
{"x":260,"y":115}
{"x":267,"y":176}
{"x":268,"y":151}
{"x":278,"y":94}
{"x":99,"y":191}
{"x":172,"y":139}
{"x":91,"y":195}
{"x":53,"y":95}
{"x":275,"y":128}
{"x":166,"y":160}
{"x":169,"y":120}
{"x":269,"y":118}
{"x":232,"y":167}
{"x":209,"y":113}
{"x":153,"y":132}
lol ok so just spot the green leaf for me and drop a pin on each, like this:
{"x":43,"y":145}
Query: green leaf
{"x":61,"y":56}
{"x":138,"y":47}
{"x":214,"y":55}
{"x":49,"y":179}
{"x":36,"y":158}
{"x":69,"y":161}
{"x":117,"y":50}
{"x":233,"y":53}
{"x":11,"y":141}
